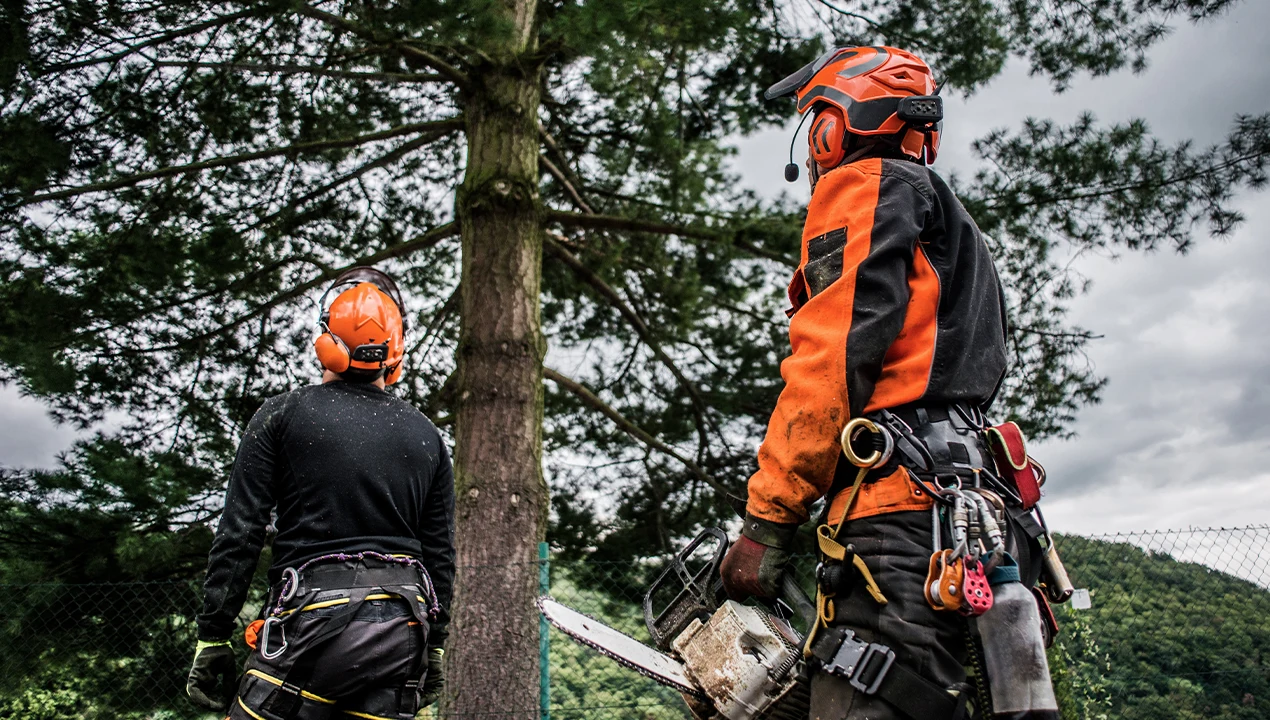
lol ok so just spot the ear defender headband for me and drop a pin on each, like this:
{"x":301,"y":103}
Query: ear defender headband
{"x":332,"y":352}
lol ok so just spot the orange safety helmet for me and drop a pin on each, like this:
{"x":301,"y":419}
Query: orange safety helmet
{"x":867,"y":92}
{"x":366,"y":316}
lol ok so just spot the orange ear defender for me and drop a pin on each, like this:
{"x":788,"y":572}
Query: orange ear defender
{"x":828,"y":132}
{"x":366,"y":316}
{"x":331,"y":351}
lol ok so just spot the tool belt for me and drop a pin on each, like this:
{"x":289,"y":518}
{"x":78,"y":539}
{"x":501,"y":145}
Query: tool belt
{"x":337,"y":581}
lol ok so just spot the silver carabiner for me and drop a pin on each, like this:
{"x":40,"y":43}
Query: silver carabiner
{"x":291,"y":584}
{"x":936,"y":530}
{"x":264,"y":638}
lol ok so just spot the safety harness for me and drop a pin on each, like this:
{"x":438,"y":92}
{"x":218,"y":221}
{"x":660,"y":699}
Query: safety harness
{"x":319,"y":584}
{"x":947,"y":450}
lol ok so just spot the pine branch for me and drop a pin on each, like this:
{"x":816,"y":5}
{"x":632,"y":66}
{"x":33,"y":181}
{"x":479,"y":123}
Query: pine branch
{"x":613,"y":222}
{"x":294,"y":149}
{"x":288,"y":69}
{"x":630,"y":428}
{"x":564,"y":182}
{"x":447,"y":70}
{"x":424,"y":241}
{"x":1096,"y":191}
{"x":165,"y":37}
{"x":385,"y":159}
{"x":700,"y":410}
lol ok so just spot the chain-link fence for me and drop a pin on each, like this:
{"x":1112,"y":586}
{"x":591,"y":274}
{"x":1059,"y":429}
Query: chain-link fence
{"x":1177,"y":626}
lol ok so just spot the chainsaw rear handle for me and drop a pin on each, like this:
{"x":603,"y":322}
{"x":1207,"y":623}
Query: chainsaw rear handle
{"x":793,"y":602}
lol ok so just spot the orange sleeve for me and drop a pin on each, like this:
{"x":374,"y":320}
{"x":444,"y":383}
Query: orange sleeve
{"x":800,"y":450}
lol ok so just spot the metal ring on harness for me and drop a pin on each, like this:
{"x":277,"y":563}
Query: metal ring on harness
{"x":879,"y":456}
{"x":291,"y":584}
{"x":264,"y":638}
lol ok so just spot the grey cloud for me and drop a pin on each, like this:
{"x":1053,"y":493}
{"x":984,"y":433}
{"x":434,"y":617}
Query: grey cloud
{"x":28,"y":436}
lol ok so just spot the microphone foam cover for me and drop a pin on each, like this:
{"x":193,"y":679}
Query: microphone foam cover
{"x":791,"y":172}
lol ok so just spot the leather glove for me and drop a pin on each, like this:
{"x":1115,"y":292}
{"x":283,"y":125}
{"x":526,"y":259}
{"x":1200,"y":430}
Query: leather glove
{"x":434,"y":682}
{"x":213,"y":666}
{"x":757,"y":560}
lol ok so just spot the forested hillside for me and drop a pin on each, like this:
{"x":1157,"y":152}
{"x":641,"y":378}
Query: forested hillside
{"x":1164,"y":639}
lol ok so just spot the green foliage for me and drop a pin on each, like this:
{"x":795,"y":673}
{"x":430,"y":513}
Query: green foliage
{"x":178,"y":180}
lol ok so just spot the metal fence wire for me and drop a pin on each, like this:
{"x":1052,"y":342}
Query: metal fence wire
{"x":1176,"y":626}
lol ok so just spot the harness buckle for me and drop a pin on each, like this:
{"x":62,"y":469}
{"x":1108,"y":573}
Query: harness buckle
{"x":863,"y":664}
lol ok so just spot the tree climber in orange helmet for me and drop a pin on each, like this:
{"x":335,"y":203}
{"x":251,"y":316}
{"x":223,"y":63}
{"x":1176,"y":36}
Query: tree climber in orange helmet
{"x":898,"y":328}
{"x":361,"y":491}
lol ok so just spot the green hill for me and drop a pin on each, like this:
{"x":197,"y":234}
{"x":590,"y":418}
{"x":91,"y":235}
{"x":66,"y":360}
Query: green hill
{"x":1164,"y":640}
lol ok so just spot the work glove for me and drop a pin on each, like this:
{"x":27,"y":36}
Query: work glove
{"x":757,"y":560}
{"x":211,"y":680}
{"x":434,"y":681}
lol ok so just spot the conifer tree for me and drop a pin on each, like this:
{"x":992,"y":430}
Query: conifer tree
{"x":548,"y":181}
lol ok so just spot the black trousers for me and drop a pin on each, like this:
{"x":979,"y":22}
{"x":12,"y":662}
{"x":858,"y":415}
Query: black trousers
{"x":897,"y":549}
{"x":361,"y":672}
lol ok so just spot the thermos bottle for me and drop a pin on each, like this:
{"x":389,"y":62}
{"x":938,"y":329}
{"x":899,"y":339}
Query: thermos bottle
{"x":1014,"y":650}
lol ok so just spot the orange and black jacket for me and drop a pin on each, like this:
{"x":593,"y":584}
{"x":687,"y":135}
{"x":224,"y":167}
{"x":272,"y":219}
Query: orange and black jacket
{"x":895,"y":301}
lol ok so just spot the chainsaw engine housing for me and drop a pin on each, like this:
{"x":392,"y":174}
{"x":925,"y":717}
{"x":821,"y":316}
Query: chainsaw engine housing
{"x":744,"y":660}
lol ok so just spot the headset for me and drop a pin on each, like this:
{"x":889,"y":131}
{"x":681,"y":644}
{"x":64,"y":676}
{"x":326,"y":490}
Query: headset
{"x":332,"y":352}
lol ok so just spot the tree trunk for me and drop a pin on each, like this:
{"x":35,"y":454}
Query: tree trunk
{"x":501,"y":496}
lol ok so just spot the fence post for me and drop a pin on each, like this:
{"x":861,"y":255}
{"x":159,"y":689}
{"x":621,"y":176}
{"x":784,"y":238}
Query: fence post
{"x":544,"y":645}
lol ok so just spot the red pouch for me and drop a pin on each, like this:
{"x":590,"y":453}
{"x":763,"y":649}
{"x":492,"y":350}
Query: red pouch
{"x":1049,"y":625}
{"x":1013,"y":464}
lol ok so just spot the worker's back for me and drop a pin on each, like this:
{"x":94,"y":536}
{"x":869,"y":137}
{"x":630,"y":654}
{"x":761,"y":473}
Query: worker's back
{"x":355,"y":471}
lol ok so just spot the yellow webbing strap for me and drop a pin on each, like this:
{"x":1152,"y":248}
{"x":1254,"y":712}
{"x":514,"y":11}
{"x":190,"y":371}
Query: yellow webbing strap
{"x":368,"y":716}
{"x":338,"y":601}
{"x":275,"y":681}
{"x":249,"y":711}
{"x":826,"y":538}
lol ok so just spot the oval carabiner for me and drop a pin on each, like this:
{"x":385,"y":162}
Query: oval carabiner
{"x":879,"y":456}
{"x":291,"y":584}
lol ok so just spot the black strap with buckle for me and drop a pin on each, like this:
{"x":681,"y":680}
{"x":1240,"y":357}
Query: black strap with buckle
{"x":872,"y":670}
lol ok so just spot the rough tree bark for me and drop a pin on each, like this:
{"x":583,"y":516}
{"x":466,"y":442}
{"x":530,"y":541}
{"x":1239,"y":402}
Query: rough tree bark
{"x":501,"y":494}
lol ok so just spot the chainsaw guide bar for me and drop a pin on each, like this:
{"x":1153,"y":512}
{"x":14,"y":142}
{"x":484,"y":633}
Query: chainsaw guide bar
{"x":620,"y":647}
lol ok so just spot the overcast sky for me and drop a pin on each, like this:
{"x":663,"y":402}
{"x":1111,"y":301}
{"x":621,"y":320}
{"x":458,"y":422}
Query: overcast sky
{"x":1181,"y":436}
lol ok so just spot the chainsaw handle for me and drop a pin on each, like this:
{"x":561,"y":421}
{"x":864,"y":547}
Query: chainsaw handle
{"x":793,"y":598}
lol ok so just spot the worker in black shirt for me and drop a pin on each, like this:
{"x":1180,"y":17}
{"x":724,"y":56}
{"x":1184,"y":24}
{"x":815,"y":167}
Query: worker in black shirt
{"x":363,"y":559}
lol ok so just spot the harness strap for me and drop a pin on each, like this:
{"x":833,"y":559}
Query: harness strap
{"x":871,"y":669}
{"x":826,"y":538}
{"x":286,"y":702}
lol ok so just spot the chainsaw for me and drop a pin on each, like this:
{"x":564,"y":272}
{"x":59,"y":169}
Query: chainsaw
{"x":730,"y":661}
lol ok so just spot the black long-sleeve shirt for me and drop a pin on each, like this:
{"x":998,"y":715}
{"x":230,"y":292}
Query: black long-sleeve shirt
{"x":349,"y":468}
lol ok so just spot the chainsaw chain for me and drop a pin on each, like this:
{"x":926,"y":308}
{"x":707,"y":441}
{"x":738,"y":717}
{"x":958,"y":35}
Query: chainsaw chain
{"x":618,"y":658}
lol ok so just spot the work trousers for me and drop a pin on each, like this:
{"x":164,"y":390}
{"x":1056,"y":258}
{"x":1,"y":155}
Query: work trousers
{"x":369,"y":670}
{"x":897,"y":549}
